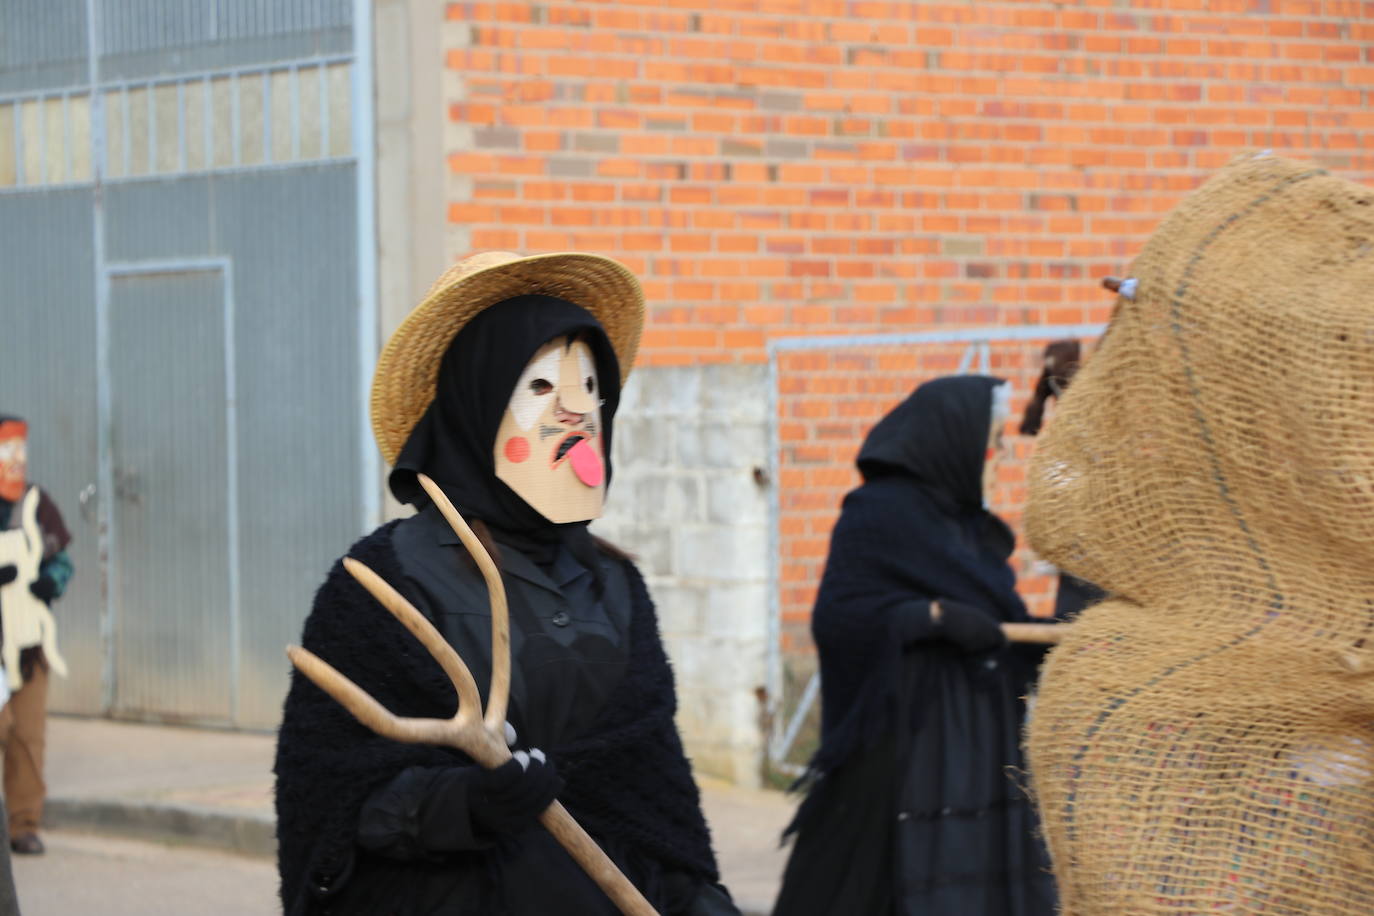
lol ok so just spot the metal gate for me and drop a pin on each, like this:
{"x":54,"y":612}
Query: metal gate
{"x":188,"y":321}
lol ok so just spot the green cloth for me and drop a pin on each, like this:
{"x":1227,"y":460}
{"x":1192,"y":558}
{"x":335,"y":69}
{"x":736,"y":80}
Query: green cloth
{"x":59,"y":568}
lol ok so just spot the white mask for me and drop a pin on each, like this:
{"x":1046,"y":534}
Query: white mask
{"x":549,"y":447}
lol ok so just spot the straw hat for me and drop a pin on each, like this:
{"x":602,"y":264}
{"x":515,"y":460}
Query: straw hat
{"x":408,"y":369}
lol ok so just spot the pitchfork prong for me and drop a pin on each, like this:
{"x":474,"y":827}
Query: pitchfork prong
{"x":364,"y":708}
{"x":469,"y":700}
{"x":499,"y":690}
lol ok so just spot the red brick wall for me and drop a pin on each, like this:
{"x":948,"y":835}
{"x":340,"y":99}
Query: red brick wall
{"x":784,"y":167}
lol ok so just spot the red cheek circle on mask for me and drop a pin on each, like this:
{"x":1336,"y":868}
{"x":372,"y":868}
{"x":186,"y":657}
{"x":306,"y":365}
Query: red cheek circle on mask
{"x":517,"y":449}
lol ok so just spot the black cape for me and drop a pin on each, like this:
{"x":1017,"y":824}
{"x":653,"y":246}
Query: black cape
{"x":628,"y":781}
{"x":911,"y":808}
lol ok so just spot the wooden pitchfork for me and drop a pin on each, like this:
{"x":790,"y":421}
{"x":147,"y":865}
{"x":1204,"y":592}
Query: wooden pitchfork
{"x":480,"y":737}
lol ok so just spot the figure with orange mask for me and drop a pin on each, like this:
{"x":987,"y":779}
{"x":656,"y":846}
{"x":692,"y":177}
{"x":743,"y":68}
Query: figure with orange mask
{"x":34,"y":571}
{"x":502,"y":388}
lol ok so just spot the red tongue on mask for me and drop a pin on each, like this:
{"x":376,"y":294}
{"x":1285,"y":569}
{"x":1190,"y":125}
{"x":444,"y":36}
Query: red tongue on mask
{"x":586,"y":463}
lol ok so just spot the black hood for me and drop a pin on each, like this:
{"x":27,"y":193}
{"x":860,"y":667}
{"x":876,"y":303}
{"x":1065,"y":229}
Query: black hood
{"x":939,"y":436}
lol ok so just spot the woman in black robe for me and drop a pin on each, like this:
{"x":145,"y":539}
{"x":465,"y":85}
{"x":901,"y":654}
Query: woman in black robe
{"x":370,"y":826}
{"x":914,"y":805}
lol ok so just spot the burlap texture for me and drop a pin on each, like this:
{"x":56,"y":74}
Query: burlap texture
{"x":1204,"y":742}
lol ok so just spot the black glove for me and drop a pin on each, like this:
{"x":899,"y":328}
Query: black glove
{"x":512,"y":796}
{"x":8,"y":573}
{"x":44,"y":588}
{"x":969,"y":628}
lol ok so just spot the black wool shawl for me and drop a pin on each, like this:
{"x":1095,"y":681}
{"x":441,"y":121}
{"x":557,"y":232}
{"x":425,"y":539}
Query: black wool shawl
{"x":914,"y":531}
{"x":628,"y":780}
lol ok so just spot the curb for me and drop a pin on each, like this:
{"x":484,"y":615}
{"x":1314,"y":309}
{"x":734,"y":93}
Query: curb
{"x":246,"y":834}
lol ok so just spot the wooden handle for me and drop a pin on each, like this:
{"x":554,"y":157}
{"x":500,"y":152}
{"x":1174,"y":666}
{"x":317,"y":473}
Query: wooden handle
{"x":595,"y":862}
{"x":1040,"y":633}
{"x":498,"y":692}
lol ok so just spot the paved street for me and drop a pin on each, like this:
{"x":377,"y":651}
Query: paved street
{"x":215,"y":788}
{"x":103,"y":876}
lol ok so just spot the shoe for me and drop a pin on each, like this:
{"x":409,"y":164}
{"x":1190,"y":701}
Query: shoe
{"x":27,"y":845}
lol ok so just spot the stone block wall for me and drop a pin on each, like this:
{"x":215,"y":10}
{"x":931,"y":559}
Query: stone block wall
{"x":689,"y":498}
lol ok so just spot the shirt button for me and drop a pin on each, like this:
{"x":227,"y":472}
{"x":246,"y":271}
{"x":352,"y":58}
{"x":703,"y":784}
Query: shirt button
{"x":561,"y":619}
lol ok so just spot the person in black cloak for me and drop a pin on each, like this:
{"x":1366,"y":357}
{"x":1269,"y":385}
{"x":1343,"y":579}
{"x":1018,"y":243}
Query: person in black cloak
{"x":913,"y":806}
{"x":502,"y":386}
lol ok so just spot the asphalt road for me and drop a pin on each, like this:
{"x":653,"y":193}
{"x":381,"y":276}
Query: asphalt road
{"x":103,"y":876}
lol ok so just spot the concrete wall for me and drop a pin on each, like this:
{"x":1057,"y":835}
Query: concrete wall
{"x":414,"y":241}
{"x":689,"y":497}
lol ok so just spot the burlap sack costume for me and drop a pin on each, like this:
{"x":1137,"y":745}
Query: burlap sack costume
{"x":1204,"y":743}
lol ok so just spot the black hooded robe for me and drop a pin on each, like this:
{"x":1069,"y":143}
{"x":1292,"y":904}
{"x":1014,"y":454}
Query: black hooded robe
{"x":367,"y":826}
{"x":915,"y":807}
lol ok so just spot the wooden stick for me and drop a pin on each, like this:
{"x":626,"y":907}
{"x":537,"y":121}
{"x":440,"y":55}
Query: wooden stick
{"x":1040,"y":633}
{"x":499,"y":692}
{"x":423,"y":630}
{"x":594,"y":861}
{"x":468,"y":736}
